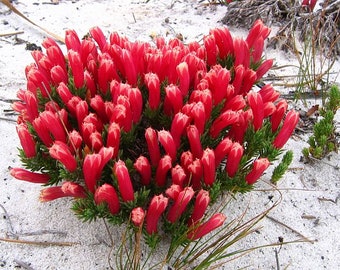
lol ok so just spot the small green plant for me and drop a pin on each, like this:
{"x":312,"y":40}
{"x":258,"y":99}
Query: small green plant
{"x":323,"y":140}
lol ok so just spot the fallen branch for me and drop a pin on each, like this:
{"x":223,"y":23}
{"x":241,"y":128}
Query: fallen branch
{"x":38,"y":243}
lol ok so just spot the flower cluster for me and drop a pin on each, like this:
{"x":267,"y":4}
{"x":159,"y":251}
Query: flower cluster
{"x":132,"y":130}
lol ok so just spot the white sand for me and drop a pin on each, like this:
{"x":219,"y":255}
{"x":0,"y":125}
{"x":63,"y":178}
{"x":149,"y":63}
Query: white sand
{"x":310,"y":192}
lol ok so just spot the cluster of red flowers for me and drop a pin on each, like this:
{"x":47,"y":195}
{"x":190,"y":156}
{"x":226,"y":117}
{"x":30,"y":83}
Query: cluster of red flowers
{"x":111,"y":118}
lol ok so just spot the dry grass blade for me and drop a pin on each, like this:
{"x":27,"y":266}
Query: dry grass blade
{"x":38,"y":243}
{"x":16,"y":11}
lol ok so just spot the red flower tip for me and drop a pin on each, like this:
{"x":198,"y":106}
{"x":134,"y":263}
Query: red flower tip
{"x":106,"y":193}
{"x":25,"y":175}
{"x":124,"y":181}
{"x":214,"y":222}
{"x":289,"y":124}
{"x":137,"y":216}
{"x":259,"y":166}
{"x":156,"y":208}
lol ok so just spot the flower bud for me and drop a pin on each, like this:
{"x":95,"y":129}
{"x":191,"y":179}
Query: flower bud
{"x":209,"y":168}
{"x":180,"y":204}
{"x":152,"y":83}
{"x":201,"y":203}
{"x":194,"y":141}
{"x":259,"y":166}
{"x":76,"y":68}
{"x":152,"y":142}
{"x":106,"y":193}
{"x":163,"y":167}
{"x":143,"y":167}
{"x":156,"y":208}
{"x":124,"y":182}
{"x":137,"y":216}
{"x":25,"y":175}
{"x":214,"y":222}
{"x":234,"y":159}
{"x":289,"y":124}
{"x":26,"y":140}
{"x":61,"y":152}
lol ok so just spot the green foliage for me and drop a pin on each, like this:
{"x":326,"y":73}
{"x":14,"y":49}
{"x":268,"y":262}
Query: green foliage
{"x":280,"y":169}
{"x":323,"y":140}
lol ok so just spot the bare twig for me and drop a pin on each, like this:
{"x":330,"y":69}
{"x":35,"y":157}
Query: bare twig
{"x":38,"y":243}
{"x":290,"y":228}
{"x":11,"y":34}
{"x":16,"y":11}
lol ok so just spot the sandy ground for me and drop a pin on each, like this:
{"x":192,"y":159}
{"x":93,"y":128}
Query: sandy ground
{"x":310,"y":192}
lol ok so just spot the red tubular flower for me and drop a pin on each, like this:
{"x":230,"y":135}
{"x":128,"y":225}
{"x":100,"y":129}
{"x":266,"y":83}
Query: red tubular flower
{"x":168,"y":143}
{"x":194,"y":141}
{"x":51,"y":121}
{"x":195,"y":171}
{"x":235,"y":104}
{"x":64,"y":92}
{"x":224,"y":41}
{"x":58,"y":75}
{"x":309,"y":3}
{"x":218,"y":78}
{"x":152,"y":142}
{"x":137,"y":216}
{"x":75,"y":141}
{"x":107,"y":194}
{"x":124,"y":182}
{"x":97,"y":103}
{"x":136,"y":103}
{"x":222,"y":150}
{"x":173,"y":191}
{"x":56,"y":56}
{"x":26,"y":140}
{"x":214,"y":222}
{"x":182,"y":70}
{"x":42,"y":131}
{"x":186,"y":159}
{"x":129,"y":67}
{"x":92,"y":170}
{"x":90,"y":84}
{"x":143,"y":167}
{"x":211,"y":49}
{"x":277,"y":116}
{"x":156,"y":208}
{"x":289,"y":124}
{"x":265,"y":66}
{"x":72,"y":41}
{"x":98,"y":35}
{"x":258,"y":30}
{"x":31,"y":105}
{"x":68,"y":189}
{"x":82,"y":110}
{"x":268,"y":109}
{"x":199,"y":116}
{"x":209,"y":168}
{"x":25,"y":175}
{"x":164,"y":165}
{"x":178,"y":175}
{"x":96,"y":141}
{"x":259,"y":166}
{"x":242,"y":53}
{"x":234,"y":158}
{"x":113,"y":138}
{"x":238,"y":78}
{"x":38,"y":79}
{"x":256,"y":105}
{"x":201,"y":203}
{"x":122,"y":115}
{"x":173,"y":101}
{"x":152,"y":83}
{"x":249,"y":79}
{"x":179,"y":123}
{"x":226,"y":119}
{"x":61,"y":152}
{"x":204,"y":96}
{"x":76,"y":67}
{"x":268,"y":93}
{"x":257,"y":50}
{"x":177,"y":209}
{"x":72,"y":189}
{"x":51,"y":193}
{"x":106,"y":73}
